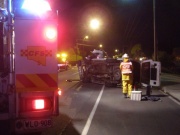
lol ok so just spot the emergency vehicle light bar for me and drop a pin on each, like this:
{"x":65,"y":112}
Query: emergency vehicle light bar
{"x":36,"y":6}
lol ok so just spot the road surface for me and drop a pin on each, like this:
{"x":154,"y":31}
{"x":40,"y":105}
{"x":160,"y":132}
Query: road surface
{"x":92,"y":109}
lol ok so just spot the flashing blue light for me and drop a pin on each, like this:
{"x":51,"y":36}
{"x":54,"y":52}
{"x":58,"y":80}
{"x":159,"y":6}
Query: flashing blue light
{"x":36,"y":6}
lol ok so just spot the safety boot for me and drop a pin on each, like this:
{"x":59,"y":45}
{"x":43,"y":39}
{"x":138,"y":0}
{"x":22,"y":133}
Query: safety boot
{"x":125,"y":95}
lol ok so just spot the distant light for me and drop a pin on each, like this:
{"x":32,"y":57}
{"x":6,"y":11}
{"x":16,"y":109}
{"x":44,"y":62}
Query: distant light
{"x":116,"y":50}
{"x":100,"y":45}
{"x":63,"y":59}
{"x":86,"y":37}
{"x":57,"y":55}
{"x":142,"y":58}
{"x":64,"y":55}
{"x":36,"y":6}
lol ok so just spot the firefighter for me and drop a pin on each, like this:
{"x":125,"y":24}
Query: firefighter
{"x":127,"y":75}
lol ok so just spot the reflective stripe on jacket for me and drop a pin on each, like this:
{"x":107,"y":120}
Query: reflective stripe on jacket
{"x":126,"y":67}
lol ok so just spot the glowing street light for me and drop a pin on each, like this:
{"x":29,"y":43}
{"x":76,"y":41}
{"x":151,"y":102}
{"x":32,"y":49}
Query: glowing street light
{"x":100,"y":45}
{"x":94,"y":24}
{"x":58,"y":55}
{"x":116,"y":50}
{"x":86,"y":37}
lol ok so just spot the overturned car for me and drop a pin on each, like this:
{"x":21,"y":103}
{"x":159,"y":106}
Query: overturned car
{"x":101,"y":70}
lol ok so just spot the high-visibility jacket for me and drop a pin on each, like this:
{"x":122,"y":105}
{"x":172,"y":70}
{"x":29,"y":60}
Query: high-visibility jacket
{"x":126,"y":67}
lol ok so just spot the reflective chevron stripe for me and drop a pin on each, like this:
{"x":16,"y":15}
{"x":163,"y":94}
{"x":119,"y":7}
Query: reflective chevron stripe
{"x":36,"y":80}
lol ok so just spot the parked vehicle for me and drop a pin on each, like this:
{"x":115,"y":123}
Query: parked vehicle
{"x":62,"y":61}
{"x":63,"y":65}
{"x":28,"y":69}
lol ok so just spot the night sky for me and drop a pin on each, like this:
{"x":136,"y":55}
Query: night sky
{"x":124,"y":23}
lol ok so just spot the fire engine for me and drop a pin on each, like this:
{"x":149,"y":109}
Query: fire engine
{"x":28,"y":65}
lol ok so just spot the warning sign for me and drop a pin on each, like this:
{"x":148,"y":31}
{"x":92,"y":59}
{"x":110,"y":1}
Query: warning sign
{"x":37,"y":54}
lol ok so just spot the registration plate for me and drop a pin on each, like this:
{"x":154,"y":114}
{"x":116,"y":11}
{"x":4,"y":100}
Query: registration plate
{"x":35,"y":124}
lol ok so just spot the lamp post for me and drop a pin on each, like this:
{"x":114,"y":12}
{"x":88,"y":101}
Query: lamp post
{"x":154,"y":29}
{"x":94,"y":24}
{"x":82,"y":42}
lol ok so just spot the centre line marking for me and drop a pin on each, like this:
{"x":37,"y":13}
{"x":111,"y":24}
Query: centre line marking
{"x":88,"y":123}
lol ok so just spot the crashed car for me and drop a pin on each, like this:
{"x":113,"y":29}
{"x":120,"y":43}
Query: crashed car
{"x":98,"y":69}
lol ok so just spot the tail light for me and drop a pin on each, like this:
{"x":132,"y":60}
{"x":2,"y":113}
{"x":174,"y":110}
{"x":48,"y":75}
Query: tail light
{"x":38,"y":104}
{"x":35,"y":104}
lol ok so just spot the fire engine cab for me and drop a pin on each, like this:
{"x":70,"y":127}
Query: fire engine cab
{"x":28,"y":64}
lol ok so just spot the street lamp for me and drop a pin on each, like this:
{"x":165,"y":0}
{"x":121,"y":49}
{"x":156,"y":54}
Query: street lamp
{"x":86,"y":37}
{"x":116,"y":54}
{"x":82,"y":42}
{"x":100,"y":46}
{"x":94,"y":24}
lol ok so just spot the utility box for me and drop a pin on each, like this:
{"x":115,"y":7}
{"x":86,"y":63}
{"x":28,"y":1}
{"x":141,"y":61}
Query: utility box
{"x":136,"y":95}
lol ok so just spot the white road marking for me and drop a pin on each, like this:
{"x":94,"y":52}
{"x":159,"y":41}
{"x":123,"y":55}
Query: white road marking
{"x":177,"y":102}
{"x":174,"y":100}
{"x":88,"y":123}
{"x":79,"y":88}
{"x":75,"y":73}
